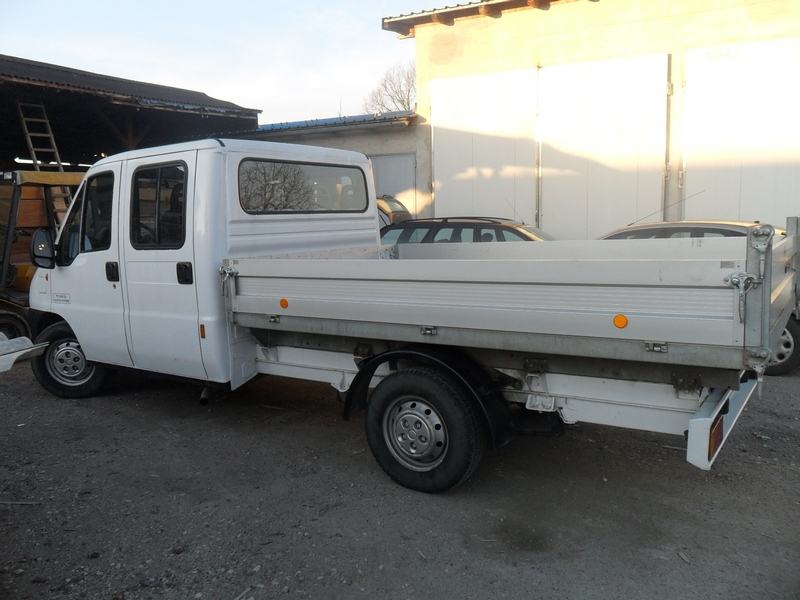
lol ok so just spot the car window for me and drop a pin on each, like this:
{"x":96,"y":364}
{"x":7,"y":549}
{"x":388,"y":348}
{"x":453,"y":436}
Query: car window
{"x":464,"y":234}
{"x":677,"y":234}
{"x":509,"y":235}
{"x":639,"y":234}
{"x":487,"y":234}
{"x":538,"y":233}
{"x":413,"y":235}
{"x":390,"y":236}
{"x":445,"y":234}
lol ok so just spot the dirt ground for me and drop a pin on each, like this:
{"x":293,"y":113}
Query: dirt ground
{"x":146,"y":493}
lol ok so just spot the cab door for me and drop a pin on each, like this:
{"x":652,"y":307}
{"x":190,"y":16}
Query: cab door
{"x":156,"y":229}
{"x":85,"y":284}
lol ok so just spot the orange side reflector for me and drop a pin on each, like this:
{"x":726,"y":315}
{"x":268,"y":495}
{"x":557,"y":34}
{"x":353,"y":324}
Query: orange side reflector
{"x":202,"y":331}
{"x":715,"y":436}
{"x":284,"y":303}
{"x":620,"y":321}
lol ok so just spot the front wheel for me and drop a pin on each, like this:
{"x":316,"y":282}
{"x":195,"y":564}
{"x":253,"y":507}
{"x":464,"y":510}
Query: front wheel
{"x":786,"y":356}
{"x":63,"y":369}
{"x":423,"y":431}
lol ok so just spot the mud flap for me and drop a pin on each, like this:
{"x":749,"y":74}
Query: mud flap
{"x":15,"y":349}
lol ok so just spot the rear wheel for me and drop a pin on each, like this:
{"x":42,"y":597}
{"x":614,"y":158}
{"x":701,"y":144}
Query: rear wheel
{"x":63,"y":369}
{"x":423,"y":431}
{"x":786,"y":356}
{"x":13,"y":325}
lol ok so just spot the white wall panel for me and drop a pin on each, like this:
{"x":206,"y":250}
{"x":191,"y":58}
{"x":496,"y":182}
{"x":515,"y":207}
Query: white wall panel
{"x":603,"y":132}
{"x":742,"y":132}
{"x":484,"y":150}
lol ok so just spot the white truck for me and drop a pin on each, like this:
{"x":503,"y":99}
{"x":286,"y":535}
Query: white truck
{"x":222,"y":259}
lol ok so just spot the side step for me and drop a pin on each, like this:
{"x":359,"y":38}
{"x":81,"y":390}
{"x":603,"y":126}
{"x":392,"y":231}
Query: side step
{"x":15,"y":349}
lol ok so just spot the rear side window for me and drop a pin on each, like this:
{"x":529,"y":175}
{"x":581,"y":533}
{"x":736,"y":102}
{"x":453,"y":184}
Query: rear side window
{"x":267,"y":187}
{"x":158,"y":207}
{"x":487,"y":234}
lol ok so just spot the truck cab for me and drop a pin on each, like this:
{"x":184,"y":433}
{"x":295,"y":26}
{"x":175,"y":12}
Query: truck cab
{"x":134,"y":278}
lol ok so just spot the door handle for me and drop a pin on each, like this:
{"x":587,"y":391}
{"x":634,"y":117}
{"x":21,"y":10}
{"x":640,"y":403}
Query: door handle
{"x":184,"y":272}
{"x":112,"y":271}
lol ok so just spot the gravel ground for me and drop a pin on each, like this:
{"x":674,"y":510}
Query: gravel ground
{"x":145,"y":493}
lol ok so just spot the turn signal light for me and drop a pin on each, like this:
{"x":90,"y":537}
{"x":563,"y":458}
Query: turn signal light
{"x":620,"y":321}
{"x":284,"y":303}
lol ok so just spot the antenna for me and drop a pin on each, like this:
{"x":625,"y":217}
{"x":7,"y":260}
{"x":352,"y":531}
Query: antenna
{"x":665,"y":208}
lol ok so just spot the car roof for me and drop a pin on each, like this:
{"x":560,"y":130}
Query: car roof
{"x":493,"y":220}
{"x":738,"y":226}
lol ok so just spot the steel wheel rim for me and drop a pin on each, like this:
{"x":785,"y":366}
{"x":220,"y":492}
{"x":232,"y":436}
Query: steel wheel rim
{"x":785,"y":348}
{"x":415,"y":433}
{"x":67,"y":364}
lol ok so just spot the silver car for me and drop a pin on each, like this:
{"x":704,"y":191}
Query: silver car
{"x":786,"y":359}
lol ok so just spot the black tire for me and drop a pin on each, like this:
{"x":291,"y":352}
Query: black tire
{"x":430,"y":409}
{"x":63,"y":369}
{"x":13,"y":325}
{"x":787,"y":354}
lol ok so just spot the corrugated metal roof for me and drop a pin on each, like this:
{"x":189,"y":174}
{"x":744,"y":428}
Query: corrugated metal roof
{"x":404,"y":24}
{"x":21,"y":70}
{"x":367,"y":119}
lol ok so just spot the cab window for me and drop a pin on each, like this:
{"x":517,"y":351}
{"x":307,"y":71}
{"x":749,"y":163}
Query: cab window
{"x":88,"y":225}
{"x":158,"y":207}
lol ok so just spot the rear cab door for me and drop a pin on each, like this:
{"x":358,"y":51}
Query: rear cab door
{"x":158,"y":255}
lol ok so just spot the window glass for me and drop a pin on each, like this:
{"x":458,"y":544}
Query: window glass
{"x":158,"y":207}
{"x":640,"y":234}
{"x":69,"y":244}
{"x":97,"y":207}
{"x":487,"y":234}
{"x":678,"y":233}
{"x":276,"y":187}
{"x":390,"y":236}
{"x":414,"y":235}
{"x":465,"y":234}
{"x":445,"y":234}
{"x":510,"y":235}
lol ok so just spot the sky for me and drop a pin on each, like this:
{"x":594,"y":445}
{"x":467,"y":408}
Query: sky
{"x":293,"y":60}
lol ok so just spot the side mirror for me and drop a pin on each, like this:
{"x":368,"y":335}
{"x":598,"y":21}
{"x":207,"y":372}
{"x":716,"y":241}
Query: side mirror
{"x":42,"y":253}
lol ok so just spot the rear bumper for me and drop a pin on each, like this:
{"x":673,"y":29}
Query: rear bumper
{"x":713,"y":422}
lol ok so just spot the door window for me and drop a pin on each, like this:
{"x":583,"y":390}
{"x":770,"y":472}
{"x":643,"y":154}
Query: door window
{"x":158,"y":207}
{"x":487,"y":234}
{"x":98,"y":204}
{"x":88,"y":225}
{"x":69,"y":243}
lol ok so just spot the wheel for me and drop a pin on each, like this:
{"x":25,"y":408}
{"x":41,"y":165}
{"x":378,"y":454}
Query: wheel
{"x":13,"y":325}
{"x":423,"y":431}
{"x":786,"y":355}
{"x":63,"y":369}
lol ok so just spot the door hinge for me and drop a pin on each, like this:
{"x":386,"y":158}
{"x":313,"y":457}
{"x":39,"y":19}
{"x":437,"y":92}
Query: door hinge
{"x":670,"y":88}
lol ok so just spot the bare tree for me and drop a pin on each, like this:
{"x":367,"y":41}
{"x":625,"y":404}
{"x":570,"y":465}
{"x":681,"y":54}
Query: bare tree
{"x":397,"y":90}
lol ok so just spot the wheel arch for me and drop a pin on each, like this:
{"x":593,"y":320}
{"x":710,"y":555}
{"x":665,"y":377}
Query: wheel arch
{"x":469,"y":374}
{"x":41,"y":320}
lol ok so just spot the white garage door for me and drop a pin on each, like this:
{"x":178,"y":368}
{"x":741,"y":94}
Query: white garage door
{"x":396,"y":175}
{"x":603,"y":130}
{"x":742,"y":132}
{"x":484,"y":150}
